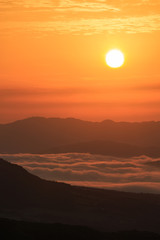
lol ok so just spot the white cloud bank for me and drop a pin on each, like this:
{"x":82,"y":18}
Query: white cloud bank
{"x":137,"y":174}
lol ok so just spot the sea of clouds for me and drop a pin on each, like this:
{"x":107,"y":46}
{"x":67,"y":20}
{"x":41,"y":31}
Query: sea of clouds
{"x":136,"y":174}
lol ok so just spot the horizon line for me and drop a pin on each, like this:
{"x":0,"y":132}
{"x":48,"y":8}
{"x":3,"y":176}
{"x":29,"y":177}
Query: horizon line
{"x":74,"y":118}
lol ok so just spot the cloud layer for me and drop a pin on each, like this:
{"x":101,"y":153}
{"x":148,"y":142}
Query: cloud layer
{"x":81,"y":17}
{"x":138,"y":174}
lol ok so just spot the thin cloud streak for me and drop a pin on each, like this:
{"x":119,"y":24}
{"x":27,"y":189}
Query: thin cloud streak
{"x":131,"y":25}
{"x":79,"y":6}
{"x":82,"y":17}
{"x":76,"y":5}
{"x":61,"y":5}
{"x":27,"y":4}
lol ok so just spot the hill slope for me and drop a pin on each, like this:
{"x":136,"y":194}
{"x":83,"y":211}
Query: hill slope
{"x":19,"y":230}
{"x":28,"y":197}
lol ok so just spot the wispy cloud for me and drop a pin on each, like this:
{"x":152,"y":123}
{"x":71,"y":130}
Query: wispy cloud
{"x":78,"y":5}
{"x":27,"y":3}
{"x":62,"y":5}
{"x":110,"y":25}
{"x":85,"y":6}
{"x":138,"y":174}
{"x":146,"y":3}
{"x":90,"y":26}
{"x":79,"y":96}
{"x":10,"y":93}
{"x":83,"y":17}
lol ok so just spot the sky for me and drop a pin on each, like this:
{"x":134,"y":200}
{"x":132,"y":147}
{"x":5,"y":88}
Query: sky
{"x":52,"y":60}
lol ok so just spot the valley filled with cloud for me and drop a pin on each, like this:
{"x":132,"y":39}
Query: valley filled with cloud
{"x":136,"y":174}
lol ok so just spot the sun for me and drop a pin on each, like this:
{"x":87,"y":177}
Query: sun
{"x":115,"y":58}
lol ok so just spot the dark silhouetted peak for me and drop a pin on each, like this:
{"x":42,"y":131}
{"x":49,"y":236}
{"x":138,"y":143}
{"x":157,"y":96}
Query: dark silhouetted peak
{"x":107,"y":121}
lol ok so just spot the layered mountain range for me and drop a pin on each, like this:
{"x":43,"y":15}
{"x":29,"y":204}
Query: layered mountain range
{"x":55,"y":135}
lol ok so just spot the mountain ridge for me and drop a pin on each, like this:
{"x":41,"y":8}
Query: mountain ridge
{"x":108,"y":148}
{"x":37,"y":134}
{"x":77,"y":119}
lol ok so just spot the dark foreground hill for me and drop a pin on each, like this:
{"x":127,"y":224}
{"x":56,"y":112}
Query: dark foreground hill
{"x":27,"y":197}
{"x":20,"y":230}
{"x":40,"y":135}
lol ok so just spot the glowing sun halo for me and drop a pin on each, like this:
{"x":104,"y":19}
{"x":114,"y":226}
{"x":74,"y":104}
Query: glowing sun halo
{"x":114,"y":58}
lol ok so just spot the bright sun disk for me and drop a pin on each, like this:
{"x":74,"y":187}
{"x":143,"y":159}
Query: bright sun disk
{"x":114,"y":58}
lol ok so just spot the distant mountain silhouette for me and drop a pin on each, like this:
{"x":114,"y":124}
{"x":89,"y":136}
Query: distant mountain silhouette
{"x":27,"y":197}
{"x":20,"y":230}
{"x":37,"y":135}
{"x":106,"y":148}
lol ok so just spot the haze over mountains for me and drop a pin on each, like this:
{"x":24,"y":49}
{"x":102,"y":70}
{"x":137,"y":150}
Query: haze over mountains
{"x":28,"y":197}
{"x":55,"y":135}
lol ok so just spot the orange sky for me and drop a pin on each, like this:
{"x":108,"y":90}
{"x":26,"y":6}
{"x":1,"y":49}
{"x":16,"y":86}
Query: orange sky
{"x":53,"y":59}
